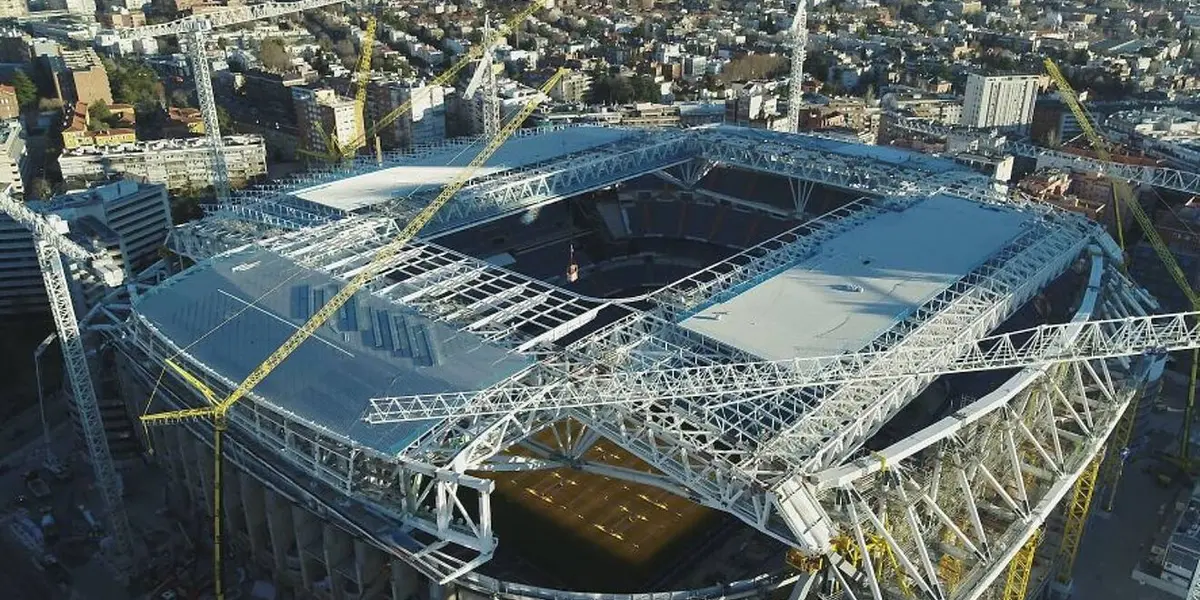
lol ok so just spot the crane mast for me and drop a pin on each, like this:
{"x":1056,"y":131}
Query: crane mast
{"x":51,"y":245}
{"x":194,"y":31}
{"x":799,"y":37}
{"x":491,"y":101}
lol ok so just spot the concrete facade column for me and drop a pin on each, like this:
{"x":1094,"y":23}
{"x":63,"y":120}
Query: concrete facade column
{"x":282,"y":535}
{"x":308,"y":545}
{"x":338,"y":560}
{"x":256,"y":519}
{"x":404,"y":580}
{"x":370,"y":569}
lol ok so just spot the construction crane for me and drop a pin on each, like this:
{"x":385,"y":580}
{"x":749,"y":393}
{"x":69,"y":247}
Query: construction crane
{"x":51,"y":245}
{"x":1123,"y":196}
{"x":194,"y":31}
{"x":743,"y":382}
{"x":799,"y":37}
{"x":333,"y":151}
{"x":218,"y":409}
{"x":485,"y":80}
{"x":447,"y":76}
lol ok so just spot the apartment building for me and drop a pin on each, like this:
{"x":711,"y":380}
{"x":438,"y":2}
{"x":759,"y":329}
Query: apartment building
{"x":129,"y":219}
{"x":13,"y":9}
{"x":12,"y":156}
{"x":425,"y":123}
{"x":321,"y":114}
{"x":180,"y":164}
{"x":77,"y":131}
{"x":139,"y":215}
{"x":10,"y":108}
{"x":81,"y":77}
{"x":573,"y":87}
{"x":1004,"y":101}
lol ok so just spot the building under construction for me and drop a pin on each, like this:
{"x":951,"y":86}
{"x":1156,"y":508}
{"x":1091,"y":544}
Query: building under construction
{"x":714,"y":362}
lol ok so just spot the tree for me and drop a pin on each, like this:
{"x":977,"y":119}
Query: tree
{"x":50,"y":104}
{"x":99,"y":111}
{"x":180,"y":99}
{"x":225,"y":120}
{"x":612,"y":90}
{"x":274,"y":55}
{"x":345,"y":51}
{"x":26,"y":90}
{"x":645,"y":89}
{"x":134,"y":83}
{"x":40,"y":189}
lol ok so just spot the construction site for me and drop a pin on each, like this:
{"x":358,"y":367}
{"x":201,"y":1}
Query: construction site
{"x":595,"y":362}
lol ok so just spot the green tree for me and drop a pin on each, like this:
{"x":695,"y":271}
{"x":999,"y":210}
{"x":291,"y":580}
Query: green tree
{"x":645,"y":89}
{"x":274,"y":55}
{"x":134,"y":83}
{"x":225,"y":120}
{"x":26,"y":90}
{"x":99,"y":111}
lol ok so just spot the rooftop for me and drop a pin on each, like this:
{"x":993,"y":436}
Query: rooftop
{"x":229,"y":141}
{"x":860,"y":283}
{"x":374,"y":348}
{"x":434,"y":169}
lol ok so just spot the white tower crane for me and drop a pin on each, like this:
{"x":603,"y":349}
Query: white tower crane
{"x":52,"y":245}
{"x":799,"y":36}
{"x":483,"y":82}
{"x":193,"y":30}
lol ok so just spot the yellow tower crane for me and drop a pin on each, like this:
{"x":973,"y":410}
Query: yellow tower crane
{"x":1123,"y":198}
{"x":361,"y":75}
{"x":333,"y":151}
{"x":447,"y":77}
{"x":218,"y":409}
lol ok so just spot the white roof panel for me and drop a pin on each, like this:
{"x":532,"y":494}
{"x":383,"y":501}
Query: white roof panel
{"x":862,"y":282}
{"x":436,"y":169}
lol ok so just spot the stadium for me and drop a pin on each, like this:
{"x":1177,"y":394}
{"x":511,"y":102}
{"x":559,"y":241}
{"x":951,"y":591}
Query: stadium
{"x":704,"y":363}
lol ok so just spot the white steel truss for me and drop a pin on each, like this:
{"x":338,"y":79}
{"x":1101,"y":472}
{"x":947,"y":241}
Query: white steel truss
{"x":83,"y":391}
{"x":502,"y":306}
{"x":499,"y":194}
{"x":776,"y":444}
{"x":715,"y":450}
{"x":1171,"y":179}
{"x":1164,"y":177}
{"x":806,"y":157}
{"x":1094,"y":340}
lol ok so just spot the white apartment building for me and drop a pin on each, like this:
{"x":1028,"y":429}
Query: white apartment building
{"x":131,"y":220}
{"x":1000,"y":101}
{"x":12,"y":155}
{"x":180,"y":163}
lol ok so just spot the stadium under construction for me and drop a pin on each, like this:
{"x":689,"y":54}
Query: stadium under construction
{"x":705,"y":363}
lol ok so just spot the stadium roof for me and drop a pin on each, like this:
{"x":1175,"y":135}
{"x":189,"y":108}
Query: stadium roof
{"x":860,"y":283}
{"x":328,"y":380}
{"x":437,"y":168}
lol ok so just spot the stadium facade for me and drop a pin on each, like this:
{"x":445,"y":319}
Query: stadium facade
{"x":785,"y":317}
